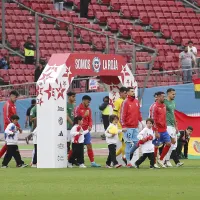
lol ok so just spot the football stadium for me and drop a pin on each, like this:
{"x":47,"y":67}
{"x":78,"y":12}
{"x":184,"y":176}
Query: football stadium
{"x":99,"y":99}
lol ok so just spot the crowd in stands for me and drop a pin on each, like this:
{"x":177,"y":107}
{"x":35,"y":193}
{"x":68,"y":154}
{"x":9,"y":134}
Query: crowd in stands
{"x":167,"y":26}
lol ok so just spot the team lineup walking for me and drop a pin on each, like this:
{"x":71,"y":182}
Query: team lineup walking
{"x":160,"y":132}
{"x":158,"y":139}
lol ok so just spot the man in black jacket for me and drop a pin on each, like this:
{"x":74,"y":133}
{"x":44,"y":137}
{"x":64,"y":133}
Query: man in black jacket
{"x":105,"y":109}
{"x":29,"y":51}
{"x":38,"y":72}
{"x":183,"y":141}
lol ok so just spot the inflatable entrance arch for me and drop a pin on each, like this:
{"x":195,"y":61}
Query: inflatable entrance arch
{"x":51,"y":97}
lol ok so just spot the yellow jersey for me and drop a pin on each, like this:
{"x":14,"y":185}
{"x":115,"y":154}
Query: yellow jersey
{"x":117,"y":109}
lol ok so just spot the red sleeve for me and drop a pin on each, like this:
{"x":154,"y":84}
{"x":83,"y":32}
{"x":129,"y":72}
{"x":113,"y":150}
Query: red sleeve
{"x":90,"y":118}
{"x":18,"y":125}
{"x":154,"y":116}
{"x":123,"y":114}
{"x":6,"y":111}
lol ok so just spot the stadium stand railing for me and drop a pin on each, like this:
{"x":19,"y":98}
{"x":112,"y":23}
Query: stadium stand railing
{"x":164,"y":78}
{"x":49,"y":40}
{"x":80,"y":85}
{"x":49,"y":32}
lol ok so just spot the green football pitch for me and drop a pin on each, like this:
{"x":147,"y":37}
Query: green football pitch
{"x":101,"y":183}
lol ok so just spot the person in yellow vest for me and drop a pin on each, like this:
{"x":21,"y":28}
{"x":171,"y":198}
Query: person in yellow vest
{"x":116,"y":111}
{"x":106,"y":112}
{"x":29,"y":51}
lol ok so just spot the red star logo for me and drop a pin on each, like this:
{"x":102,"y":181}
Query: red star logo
{"x":114,"y":93}
{"x":68,"y":74}
{"x":60,"y":91}
{"x":39,"y":91}
{"x":124,"y":72}
{"x":52,"y":68}
{"x":49,"y":92}
{"x":39,"y":101}
{"x":111,"y":102}
{"x":45,"y":76}
{"x":57,"y":81}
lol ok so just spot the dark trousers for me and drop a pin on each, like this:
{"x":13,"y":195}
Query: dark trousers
{"x":174,"y":156}
{"x":112,"y":155}
{"x":77,"y":153}
{"x":35,"y":155}
{"x":29,"y":60}
{"x":68,"y":146}
{"x":12,"y":151}
{"x":143,"y":158}
{"x":84,"y":8}
{"x":179,"y":149}
{"x":30,"y":136}
{"x":105,"y":121}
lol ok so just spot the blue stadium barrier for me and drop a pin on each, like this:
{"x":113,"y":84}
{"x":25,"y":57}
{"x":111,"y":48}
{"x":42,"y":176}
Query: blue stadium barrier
{"x":185,"y":102}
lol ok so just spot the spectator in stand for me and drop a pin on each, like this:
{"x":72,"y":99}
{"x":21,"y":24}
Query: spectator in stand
{"x":28,"y":121}
{"x":38,"y":72}
{"x":29,"y":51}
{"x":185,"y":59}
{"x":193,"y":50}
{"x":4,"y":63}
{"x":58,"y":5}
{"x":183,"y":141}
{"x":84,"y":8}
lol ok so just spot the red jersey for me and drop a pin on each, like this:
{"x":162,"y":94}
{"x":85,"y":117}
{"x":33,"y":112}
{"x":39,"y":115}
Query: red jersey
{"x":9,"y":109}
{"x":130,"y":113}
{"x":158,"y":114}
{"x":87,"y":121}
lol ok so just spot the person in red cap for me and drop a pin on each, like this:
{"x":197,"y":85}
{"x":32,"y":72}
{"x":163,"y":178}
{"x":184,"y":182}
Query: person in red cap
{"x":9,"y":109}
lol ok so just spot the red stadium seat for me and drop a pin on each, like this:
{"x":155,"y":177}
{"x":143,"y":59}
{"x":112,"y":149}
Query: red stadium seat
{"x":14,"y":80}
{"x":29,"y":79}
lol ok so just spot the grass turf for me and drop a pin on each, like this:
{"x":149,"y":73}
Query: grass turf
{"x":30,"y":146}
{"x":101,"y":184}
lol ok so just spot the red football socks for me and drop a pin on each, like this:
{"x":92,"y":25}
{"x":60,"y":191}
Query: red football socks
{"x":155,"y":153}
{"x":164,"y":152}
{"x":3,"y":150}
{"x":90,"y":155}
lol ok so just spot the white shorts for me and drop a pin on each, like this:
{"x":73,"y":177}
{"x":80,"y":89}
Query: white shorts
{"x":68,"y":136}
{"x":172,"y":132}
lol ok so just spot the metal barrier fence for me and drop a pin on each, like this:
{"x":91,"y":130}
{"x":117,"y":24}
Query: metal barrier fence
{"x":25,"y":90}
{"x":29,"y":89}
{"x":81,"y":84}
{"x":168,"y":77}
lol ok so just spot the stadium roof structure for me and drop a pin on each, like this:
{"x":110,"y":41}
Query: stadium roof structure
{"x":51,"y":97}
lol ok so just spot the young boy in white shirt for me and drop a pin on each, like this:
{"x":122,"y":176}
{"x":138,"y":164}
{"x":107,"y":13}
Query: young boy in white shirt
{"x":146,"y":136}
{"x":11,"y":135}
{"x":111,"y":134}
{"x":77,"y":139}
